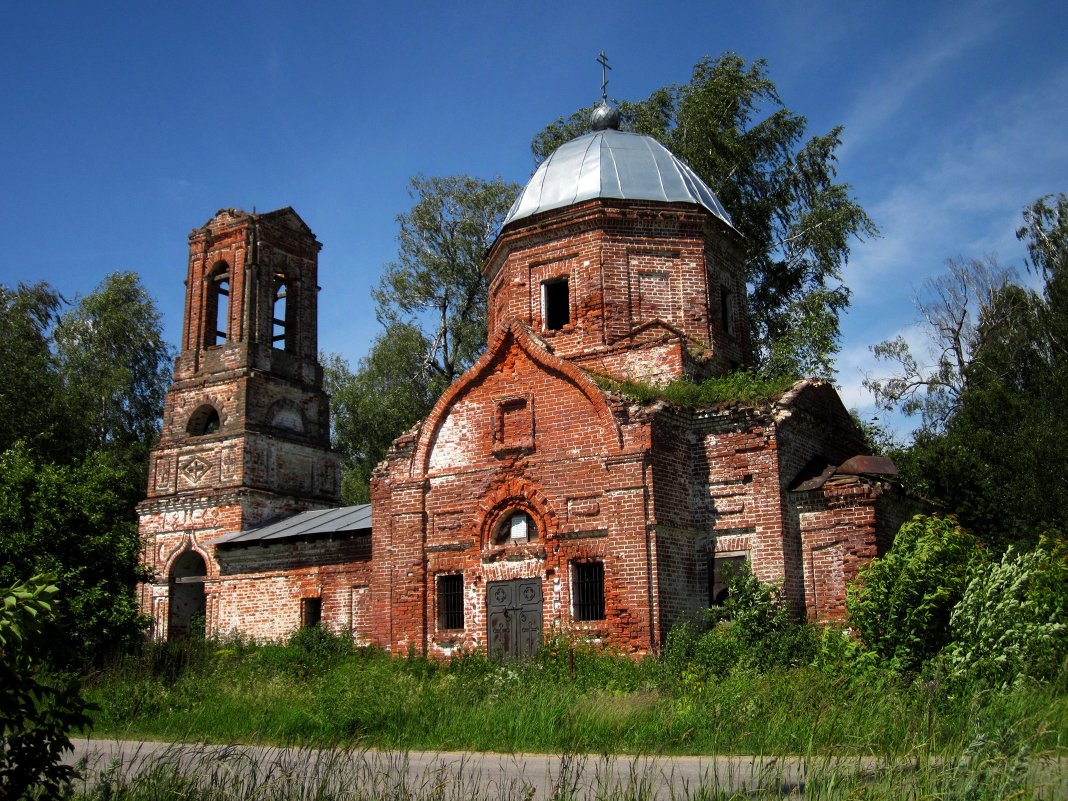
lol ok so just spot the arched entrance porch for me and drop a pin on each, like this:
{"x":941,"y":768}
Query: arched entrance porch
{"x":187,"y":603}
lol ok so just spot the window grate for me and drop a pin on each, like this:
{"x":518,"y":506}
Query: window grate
{"x":451,"y":602}
{"x":588,"y":590}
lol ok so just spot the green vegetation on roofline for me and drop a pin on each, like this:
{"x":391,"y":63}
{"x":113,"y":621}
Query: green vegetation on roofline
{"x":740,"y":386}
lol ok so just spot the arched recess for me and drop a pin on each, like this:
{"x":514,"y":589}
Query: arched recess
{"x":286,"y":415}
{"x":186,"y":594}
{"x":205,"y":420}
{"x":217,"y":305}
{"x":518,"y":333}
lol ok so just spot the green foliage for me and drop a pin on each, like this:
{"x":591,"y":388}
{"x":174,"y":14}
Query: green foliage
{"x":572,"y":696}
{"x":729,"y":124}
{"x":81,"y":392}
{"x":436,"y":283}
{"x":390,"y":391}
{"x":36,"y":714}
{"x":432,"y":304}
{"x":991,"y":446}
{"x":31,"y":397}
{"x":1012,"y":622}
{"x":75,"y":522}
{"x":115,"y":365}
{"x":901,"y":603}
{"x":740,"y":386}
{"x":753,"y":630}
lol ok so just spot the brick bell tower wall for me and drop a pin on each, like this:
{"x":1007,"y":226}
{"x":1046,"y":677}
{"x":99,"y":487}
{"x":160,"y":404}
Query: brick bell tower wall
{"x":245,"y":434}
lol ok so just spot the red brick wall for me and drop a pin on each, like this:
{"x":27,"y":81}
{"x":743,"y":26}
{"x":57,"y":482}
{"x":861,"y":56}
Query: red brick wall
{"x":270,"y":454}
{"x":638,"y":272}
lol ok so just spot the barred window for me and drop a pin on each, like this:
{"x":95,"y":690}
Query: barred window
{"x":451,"y":602}
{"x":587,"y":590}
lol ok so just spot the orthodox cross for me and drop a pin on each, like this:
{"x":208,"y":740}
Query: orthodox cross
{"x":603,"y":61}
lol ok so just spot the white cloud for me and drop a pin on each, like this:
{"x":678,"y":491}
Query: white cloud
{"x":900,"y":75}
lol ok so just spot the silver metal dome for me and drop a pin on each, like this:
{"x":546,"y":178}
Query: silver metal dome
{"x":612,"y":164}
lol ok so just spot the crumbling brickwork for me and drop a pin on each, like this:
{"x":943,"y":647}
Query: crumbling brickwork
{"x":531,"y":500}
{"x":651,"y":495}
{"x":246,"y":423}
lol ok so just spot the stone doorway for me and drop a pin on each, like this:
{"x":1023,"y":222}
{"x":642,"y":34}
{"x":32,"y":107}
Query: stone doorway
{"x":187,"y":603}
{"x":513,"y":615}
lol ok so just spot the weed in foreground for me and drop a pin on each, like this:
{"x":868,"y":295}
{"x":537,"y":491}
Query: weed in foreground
{"x":991,"y":770}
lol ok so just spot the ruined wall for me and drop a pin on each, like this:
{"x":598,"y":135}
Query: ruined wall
{"x":260,"y":587}
{"x":645,"y":282}
{"x":521,"y":432}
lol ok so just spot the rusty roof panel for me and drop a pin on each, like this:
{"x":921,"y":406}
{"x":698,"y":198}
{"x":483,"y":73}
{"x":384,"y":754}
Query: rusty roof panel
{"x":868,"y":465}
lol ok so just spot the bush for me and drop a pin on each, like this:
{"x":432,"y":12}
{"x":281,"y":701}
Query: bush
{"x":35,"y":713}
{"x":753,"y":630}
{"x":900,"y":604}
{"x":1013,"y":619}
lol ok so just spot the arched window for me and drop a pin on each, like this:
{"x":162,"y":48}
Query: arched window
{"x":217,"y":309}
{"x":205,"y":420}
{"x":515,"y":528}
{"x":279,"y":315}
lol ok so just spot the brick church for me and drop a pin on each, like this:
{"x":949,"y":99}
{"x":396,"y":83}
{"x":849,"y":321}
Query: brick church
{"x":532,"y":499}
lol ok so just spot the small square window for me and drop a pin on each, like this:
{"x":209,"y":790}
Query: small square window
{"x":555,"y":304}
{"x":587,"y":590}
{"x":451,"y":602}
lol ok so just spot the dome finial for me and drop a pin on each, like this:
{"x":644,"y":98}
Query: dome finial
{"x":605,"y":115}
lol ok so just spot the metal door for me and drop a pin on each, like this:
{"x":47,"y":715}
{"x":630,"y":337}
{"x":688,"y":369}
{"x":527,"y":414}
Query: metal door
{"x":513,"y":614}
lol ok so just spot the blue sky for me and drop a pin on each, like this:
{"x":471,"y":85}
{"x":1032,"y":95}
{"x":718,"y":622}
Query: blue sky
{"x":127,"y":125}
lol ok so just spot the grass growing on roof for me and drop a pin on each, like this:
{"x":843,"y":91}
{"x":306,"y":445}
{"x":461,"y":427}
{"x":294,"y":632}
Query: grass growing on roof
{"x":740,"y":386}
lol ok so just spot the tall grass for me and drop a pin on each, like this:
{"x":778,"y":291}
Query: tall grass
{"x":229,"y":773}
{"x":320,"y":690}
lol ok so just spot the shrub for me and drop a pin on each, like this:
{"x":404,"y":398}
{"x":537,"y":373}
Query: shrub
{"x":1013,"y":619}
{"x":900,"y":604}
{"x":35,"y":714}
{"x":753,"y":630}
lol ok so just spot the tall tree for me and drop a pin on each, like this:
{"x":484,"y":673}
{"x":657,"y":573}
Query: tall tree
{"x":114,"y":362}
{"x":436,"y":282}
{"x":996,"y":458}
{"x":31,"y":407}
{"x":730,"y":125}
{"x":951,"y":307}
{"x":391,"y":389}
{"x":432,"y":303}
{"x":81,"y":393}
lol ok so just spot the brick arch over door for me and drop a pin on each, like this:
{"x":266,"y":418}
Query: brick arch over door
{"x":516,"y":495}
{"x":517,"y":335}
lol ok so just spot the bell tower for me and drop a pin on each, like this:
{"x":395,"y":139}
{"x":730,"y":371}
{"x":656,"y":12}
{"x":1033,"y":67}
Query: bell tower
{"x":246,"y":424}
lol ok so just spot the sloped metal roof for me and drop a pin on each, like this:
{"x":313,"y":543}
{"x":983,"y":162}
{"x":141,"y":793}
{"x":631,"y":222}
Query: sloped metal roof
{"x":345,"y":519}
{"x":612,"y":164}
